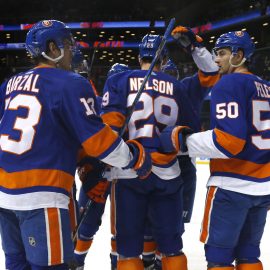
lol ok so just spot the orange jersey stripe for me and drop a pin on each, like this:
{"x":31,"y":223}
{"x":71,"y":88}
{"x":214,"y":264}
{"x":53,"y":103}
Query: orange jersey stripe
{"x":113,"y":245}
{"x":37,"y":177}
{"x":207,"y":213}
{"x":100,"y":142}
{"x":229,"y":142}
{"x":55,"y":237}
{"x":82,"y":154}
{"x":162,"y":159}
{"x":114,"y":119}
{"x":93,"y":87}
{"x":242,"y":167}
{"x":83,"y":246}
{"x":149,"y":246}
{"x":208,"y":80}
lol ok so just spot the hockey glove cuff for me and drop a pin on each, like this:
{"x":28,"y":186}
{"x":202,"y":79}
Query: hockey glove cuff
{"x":141,"y":161}
{"x":173,"y":138}
{"x":186,"y":38}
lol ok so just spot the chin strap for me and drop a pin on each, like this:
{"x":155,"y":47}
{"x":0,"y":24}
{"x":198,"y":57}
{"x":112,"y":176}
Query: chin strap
{"x":240,"y":64}
{"x":55,"y":60}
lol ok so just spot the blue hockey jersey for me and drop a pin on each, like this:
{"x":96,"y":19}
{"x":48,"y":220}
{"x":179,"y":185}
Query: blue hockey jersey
{"x":47,"y":115}
{"x":164,"y":102}
{"x":239,"y":142}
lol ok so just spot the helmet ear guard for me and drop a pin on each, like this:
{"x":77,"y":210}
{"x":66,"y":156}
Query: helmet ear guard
{"x":43,"y":32}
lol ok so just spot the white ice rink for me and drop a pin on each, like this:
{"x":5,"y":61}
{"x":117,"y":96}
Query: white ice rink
{"x":98,"y":257}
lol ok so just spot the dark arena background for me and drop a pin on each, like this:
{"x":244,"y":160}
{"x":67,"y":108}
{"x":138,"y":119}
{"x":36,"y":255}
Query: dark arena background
{"x":111,"y":30}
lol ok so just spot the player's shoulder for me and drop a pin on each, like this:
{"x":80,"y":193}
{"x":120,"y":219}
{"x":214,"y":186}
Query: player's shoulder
{"x":120,"y":78}
{"x":237,"y":78}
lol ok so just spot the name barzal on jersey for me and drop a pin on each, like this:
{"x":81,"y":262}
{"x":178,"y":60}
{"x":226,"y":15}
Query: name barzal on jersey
{"x":26,"y":82}
{"x":164,"y":87}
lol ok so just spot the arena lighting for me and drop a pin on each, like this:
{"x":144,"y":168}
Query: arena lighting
{"x":91,"y":25}
{"x":265,"y":24}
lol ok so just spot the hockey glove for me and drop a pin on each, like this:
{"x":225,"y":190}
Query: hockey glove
{"x":186,"y":38}
{"x":90,"y":172}
{"x":99,"y":192}
{"x":141,"y":161}
{"x":173,"y":138}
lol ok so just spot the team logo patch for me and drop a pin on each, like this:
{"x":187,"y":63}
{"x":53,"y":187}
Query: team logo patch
{"x":32,"y":241}
{"x":47,"y":23}
{"x":239,"y":33}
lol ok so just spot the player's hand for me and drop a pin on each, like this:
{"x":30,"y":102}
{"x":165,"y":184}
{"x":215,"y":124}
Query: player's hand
{"x":186,"y":38}
{"x":173,"y":139}
{"x":141,"y":161}
{"x":94,"y":185}
{"x":99,"y":192}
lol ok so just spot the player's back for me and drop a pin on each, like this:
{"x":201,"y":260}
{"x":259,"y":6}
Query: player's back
{"x":38,"y":149}
{"x":242,"y":105}
{"x":162,"y":103}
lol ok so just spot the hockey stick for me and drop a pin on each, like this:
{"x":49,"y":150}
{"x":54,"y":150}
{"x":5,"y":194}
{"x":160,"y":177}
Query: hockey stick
{"x":149,"y":72}
{"x":92,"y":61}
{"x":132,"y":108}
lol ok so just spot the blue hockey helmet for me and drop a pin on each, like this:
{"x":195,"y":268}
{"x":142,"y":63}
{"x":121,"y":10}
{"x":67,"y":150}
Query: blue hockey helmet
{"x":77,"y":58}
{"x":79,"y":64}
{"x":170,"y":68}
{"x":117,"y":68}
{"x":149,"y":46}
{"x":44,"y":31}
{"x":236,"y":40}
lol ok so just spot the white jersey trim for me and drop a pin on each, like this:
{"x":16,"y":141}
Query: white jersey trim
{"x":33,"y":200}
{"x":120,"y":157}
{"x":240,"y":185}
{"x":163,"y":173}
{"x":204,"y":60}
{"x":201,"y":145}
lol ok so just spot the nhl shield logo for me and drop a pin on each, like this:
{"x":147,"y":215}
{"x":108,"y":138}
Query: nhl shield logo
{"x":32,"y":241}
{"x":47,"y":23}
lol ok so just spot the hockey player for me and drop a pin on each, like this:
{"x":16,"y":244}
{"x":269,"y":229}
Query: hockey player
{"x":171,"y":69}
{"x":197,"y":89}
{"x":47,"y":115}
{"x":163,"y":102}
{"x":98,"y":194}
{"x":238,"y":144}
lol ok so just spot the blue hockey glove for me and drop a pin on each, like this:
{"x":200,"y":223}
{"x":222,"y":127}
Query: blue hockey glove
{"x":186,"y":38}
{"x":141,"y":161}
{"x":173,"y":139}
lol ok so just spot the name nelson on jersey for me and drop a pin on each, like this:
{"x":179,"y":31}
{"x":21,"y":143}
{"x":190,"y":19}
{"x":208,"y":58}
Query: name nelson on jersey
{"x":23,"y":83}
{"x":164,"y":87}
